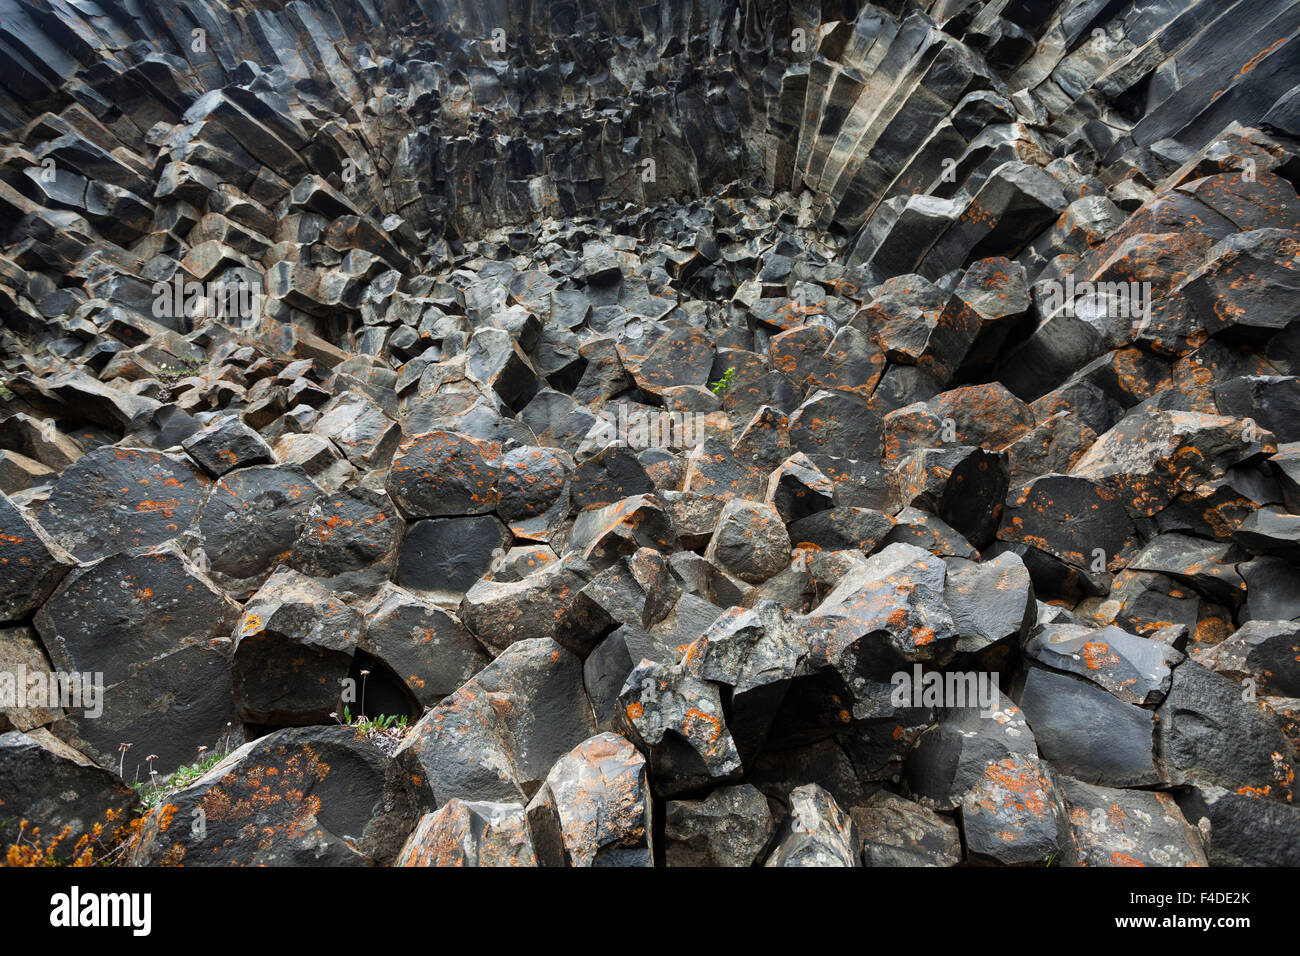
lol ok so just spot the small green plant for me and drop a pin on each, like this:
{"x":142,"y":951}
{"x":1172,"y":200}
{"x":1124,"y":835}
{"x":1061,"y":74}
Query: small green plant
{"x":174,"y":373}
{"x":387,"y":731}
{"x":385,"y":722}
{"x":721,"y":386}
{"x":155,"y":791}
{"x":368,"y":725}
{"x":6,"y":392}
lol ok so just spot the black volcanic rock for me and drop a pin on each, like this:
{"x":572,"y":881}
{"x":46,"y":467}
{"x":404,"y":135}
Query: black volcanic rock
{"x":51,"y":786}
{"x":253,"y":516}
{"x":34,"y":564}
{"x":113,"y":499}
{"x":293,"y":634}
{"x":314,"y":795}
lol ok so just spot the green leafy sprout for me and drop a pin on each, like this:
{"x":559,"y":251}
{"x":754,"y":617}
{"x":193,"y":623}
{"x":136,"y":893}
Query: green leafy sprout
{"x":722,"y":385}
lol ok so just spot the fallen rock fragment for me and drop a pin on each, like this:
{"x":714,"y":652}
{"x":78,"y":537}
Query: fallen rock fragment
{"x":816,"y":832}
{"x":470,"y":833}
{"x":732,"y":826}
{"x":594,"y":807}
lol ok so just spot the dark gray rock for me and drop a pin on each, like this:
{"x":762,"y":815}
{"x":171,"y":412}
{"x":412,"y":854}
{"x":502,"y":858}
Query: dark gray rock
{"x":1209,"y":734}
{"x":1088,"y":733}
{"x":302,"y":796}
{"x":1134,"y":669}
{"x":500,"y":733}
{"x":1243,"y":830}
{"x":992,"y":606}
{"x":594,"y":808}
{"x":543,"y":605}
{"x":1129,"y":827}
{"x":424,"y":645}
{"x":786,"y":359}
{"x":444,"y":473}
{"x":130,"y":609}
{"x":33,"y":563}
{"x":293,"y":651}
{"x":52,"y":787}
{"x":1261,"y":654}
{"x":732,"y":826}
{"x":114,"y":499}
{"x":349,"y":543}
{"x":252,"y":519}
{"x":989,"y":766}
{"x":750,"y":541}
{"x":678,"y":720}
{"x":898,"y":832}
{"x":443,"y":558}
{"x":225,"y":445}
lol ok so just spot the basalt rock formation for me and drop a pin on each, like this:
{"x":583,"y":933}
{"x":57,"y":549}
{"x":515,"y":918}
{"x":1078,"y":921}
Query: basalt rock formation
{"x":709,"y":432}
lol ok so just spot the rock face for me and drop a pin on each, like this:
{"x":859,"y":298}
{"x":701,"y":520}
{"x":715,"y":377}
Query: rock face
{"x":312,"y":795}
{"x":594,"y":807}
{"x":698,"y":433}
{"x":52,"y":787}
{"x":470,"y":834}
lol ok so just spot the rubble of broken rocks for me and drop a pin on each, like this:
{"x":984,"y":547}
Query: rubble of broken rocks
{"x":408,"y":473}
